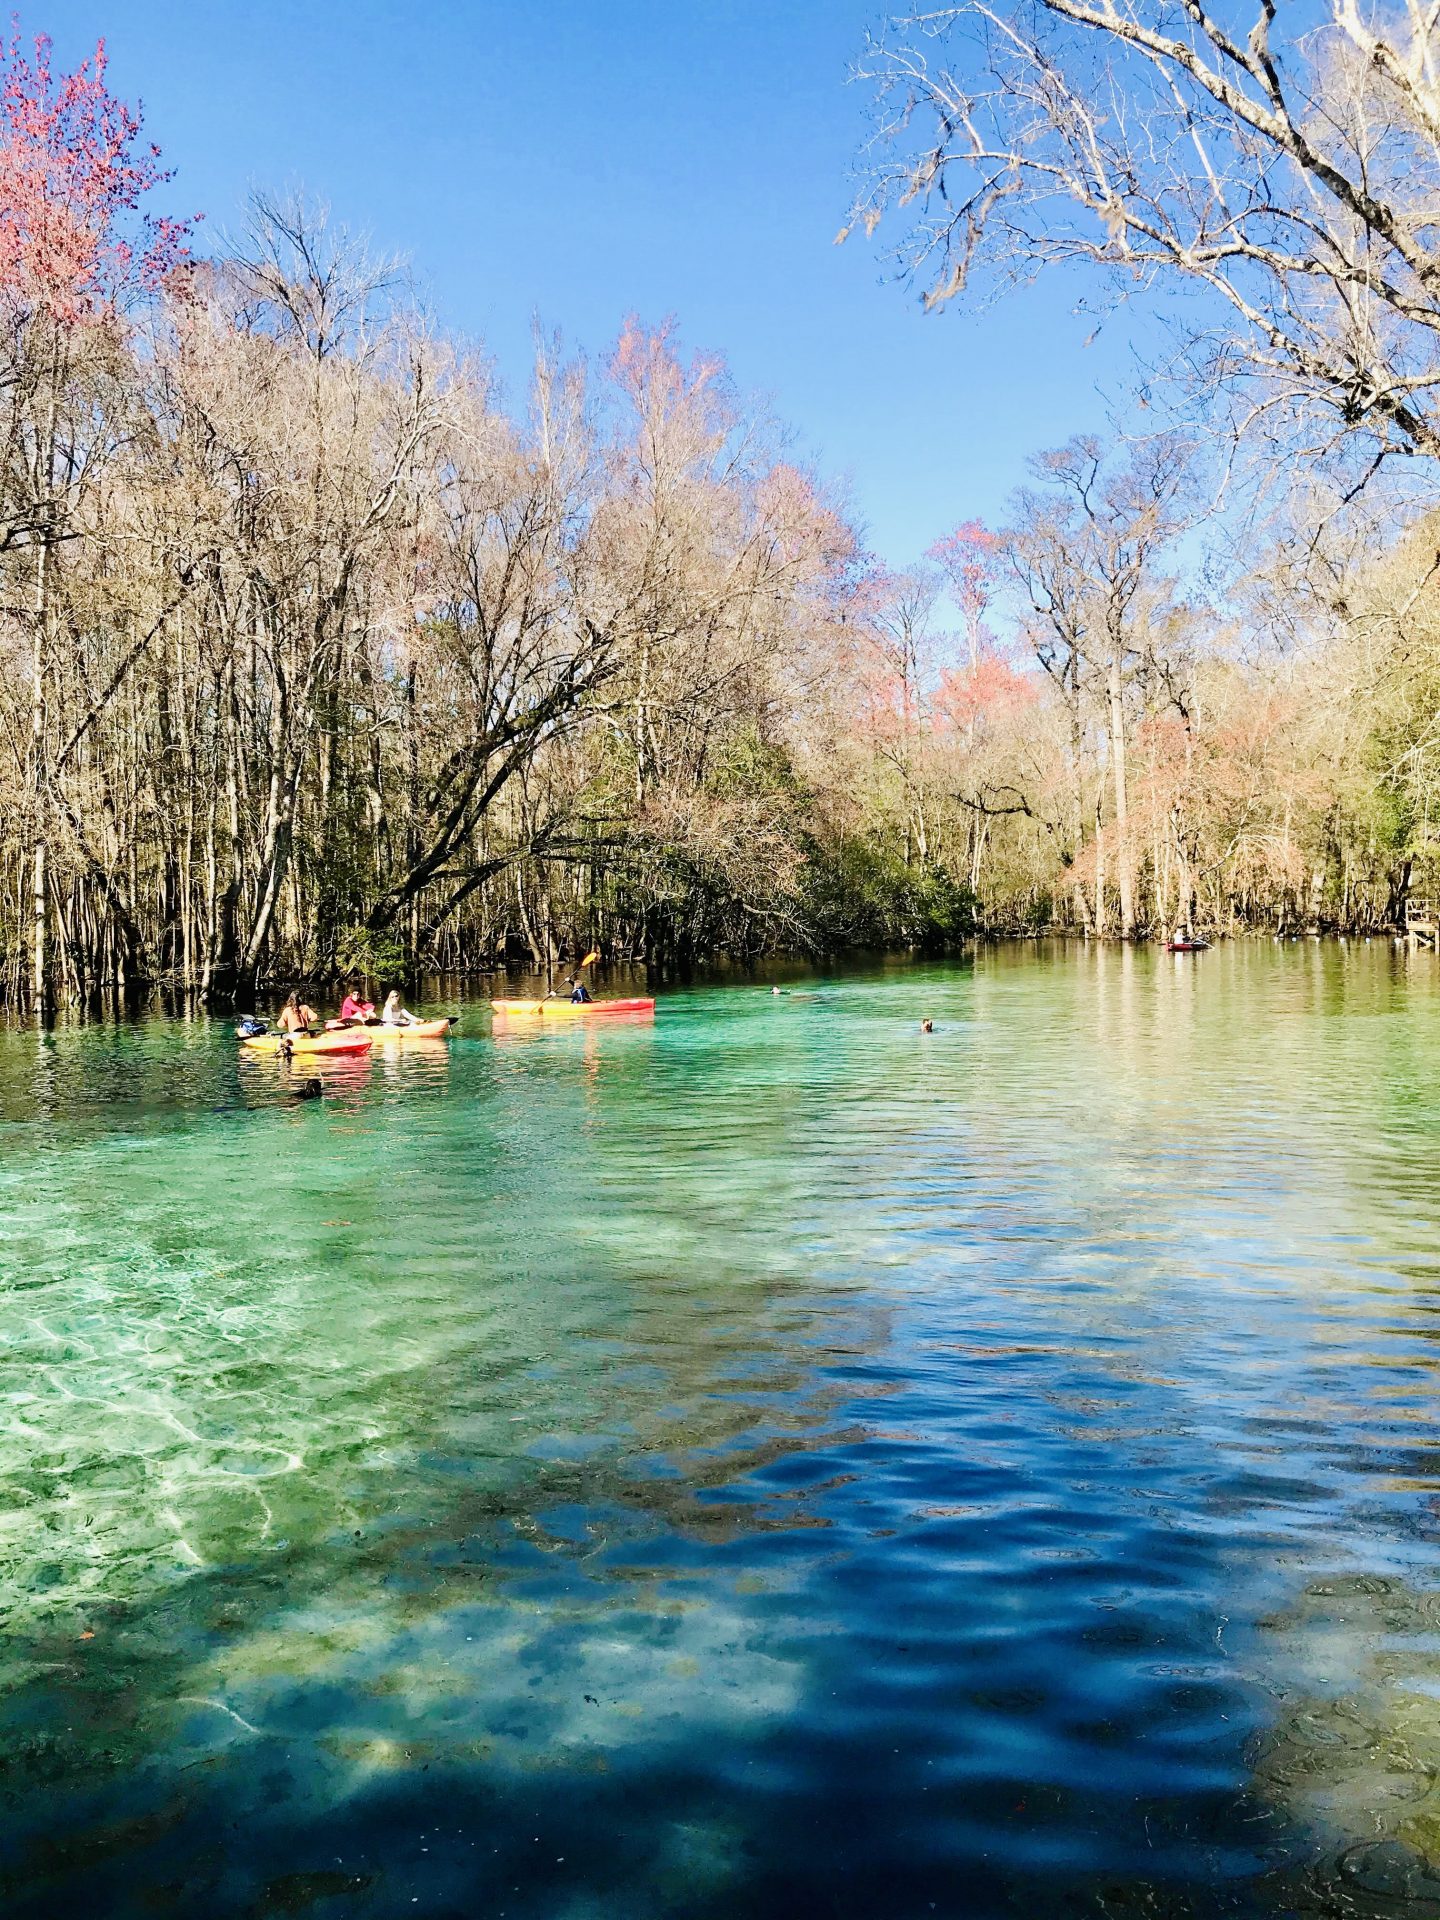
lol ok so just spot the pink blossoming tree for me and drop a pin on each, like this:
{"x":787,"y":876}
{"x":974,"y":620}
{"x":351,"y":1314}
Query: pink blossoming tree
{"x":75,"y":253}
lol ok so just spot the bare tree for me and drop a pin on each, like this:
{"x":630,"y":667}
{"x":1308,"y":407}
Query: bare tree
{"x":1287,"y":168}
{"x":1087,"y":551}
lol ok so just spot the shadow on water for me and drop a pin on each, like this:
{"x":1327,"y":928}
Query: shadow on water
{"x":776,"y":1467}
{"x":542,"y":1723}
{"x":510,"y":1718}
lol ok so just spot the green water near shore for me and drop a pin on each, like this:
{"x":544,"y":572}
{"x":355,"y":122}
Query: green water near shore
{"x":758,"y":1459}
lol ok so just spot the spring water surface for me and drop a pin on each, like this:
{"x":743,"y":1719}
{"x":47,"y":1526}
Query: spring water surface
{"x":762,"y":1462}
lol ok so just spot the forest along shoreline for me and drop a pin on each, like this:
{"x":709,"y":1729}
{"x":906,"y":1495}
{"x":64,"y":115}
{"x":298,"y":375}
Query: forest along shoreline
{"x":321,"y":658}
{"x":479,"y":989}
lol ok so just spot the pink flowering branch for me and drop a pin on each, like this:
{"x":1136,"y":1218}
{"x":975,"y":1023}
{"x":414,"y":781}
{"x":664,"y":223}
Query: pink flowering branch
{"x":73,"y":173}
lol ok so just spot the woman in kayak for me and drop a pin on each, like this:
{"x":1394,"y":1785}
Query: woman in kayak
{"x":579,"y":992}
{"x":295,"y":1016}
{"x":394,"y":1014}
{"x":352,"y":1007}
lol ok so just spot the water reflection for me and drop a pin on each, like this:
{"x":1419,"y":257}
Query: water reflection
{"x":758,"y":1462}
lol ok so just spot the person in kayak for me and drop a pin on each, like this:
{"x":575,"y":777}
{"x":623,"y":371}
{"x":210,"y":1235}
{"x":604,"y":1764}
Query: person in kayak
{"x":394,"y":1015}
{"x":352,"y":1007}
{"x":295,"y":1016}
{"x":579,"y":992}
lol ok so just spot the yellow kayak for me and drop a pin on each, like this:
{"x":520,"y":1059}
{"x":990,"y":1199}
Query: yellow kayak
{"x":353,"y":1040}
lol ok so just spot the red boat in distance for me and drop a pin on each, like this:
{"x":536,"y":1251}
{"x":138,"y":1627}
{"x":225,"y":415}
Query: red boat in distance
{"x":569,"y":1009}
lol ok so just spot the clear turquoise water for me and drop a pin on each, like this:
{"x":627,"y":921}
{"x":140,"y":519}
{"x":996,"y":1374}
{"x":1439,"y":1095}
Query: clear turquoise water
{"x":763,"y":1462}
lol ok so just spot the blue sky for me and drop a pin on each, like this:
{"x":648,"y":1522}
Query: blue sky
{"x":586,"y":158}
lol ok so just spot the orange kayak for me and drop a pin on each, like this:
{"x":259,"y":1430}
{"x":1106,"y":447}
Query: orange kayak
{"x":571,"y":1009}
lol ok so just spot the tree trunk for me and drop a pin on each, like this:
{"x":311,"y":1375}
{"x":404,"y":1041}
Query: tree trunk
{"x":1124,"y":872}
{"x":39,"y":974}
{"x":1399,"y":879}
{"x":39,"y":961}
{"x":44,"y":491}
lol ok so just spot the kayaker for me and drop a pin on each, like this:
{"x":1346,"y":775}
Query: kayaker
{"x":295,"y":1016}
{"x":394,"y":1015}
{"x":352,"y":1007}
{"x":579,"y":992}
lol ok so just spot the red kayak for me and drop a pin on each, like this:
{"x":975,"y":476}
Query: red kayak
{"x":1187,"y":946}
{"x":570,"y":1009}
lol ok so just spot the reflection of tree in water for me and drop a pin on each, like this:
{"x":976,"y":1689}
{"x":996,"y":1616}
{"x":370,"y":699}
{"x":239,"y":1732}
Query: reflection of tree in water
{"x":1353,"y":1758}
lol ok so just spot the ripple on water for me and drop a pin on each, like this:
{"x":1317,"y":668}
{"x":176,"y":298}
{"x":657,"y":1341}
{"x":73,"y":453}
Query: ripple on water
{"x":750,"y":1461}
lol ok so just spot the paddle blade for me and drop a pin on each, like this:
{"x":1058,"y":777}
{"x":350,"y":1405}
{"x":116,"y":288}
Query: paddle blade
{"x":594,"y":954}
